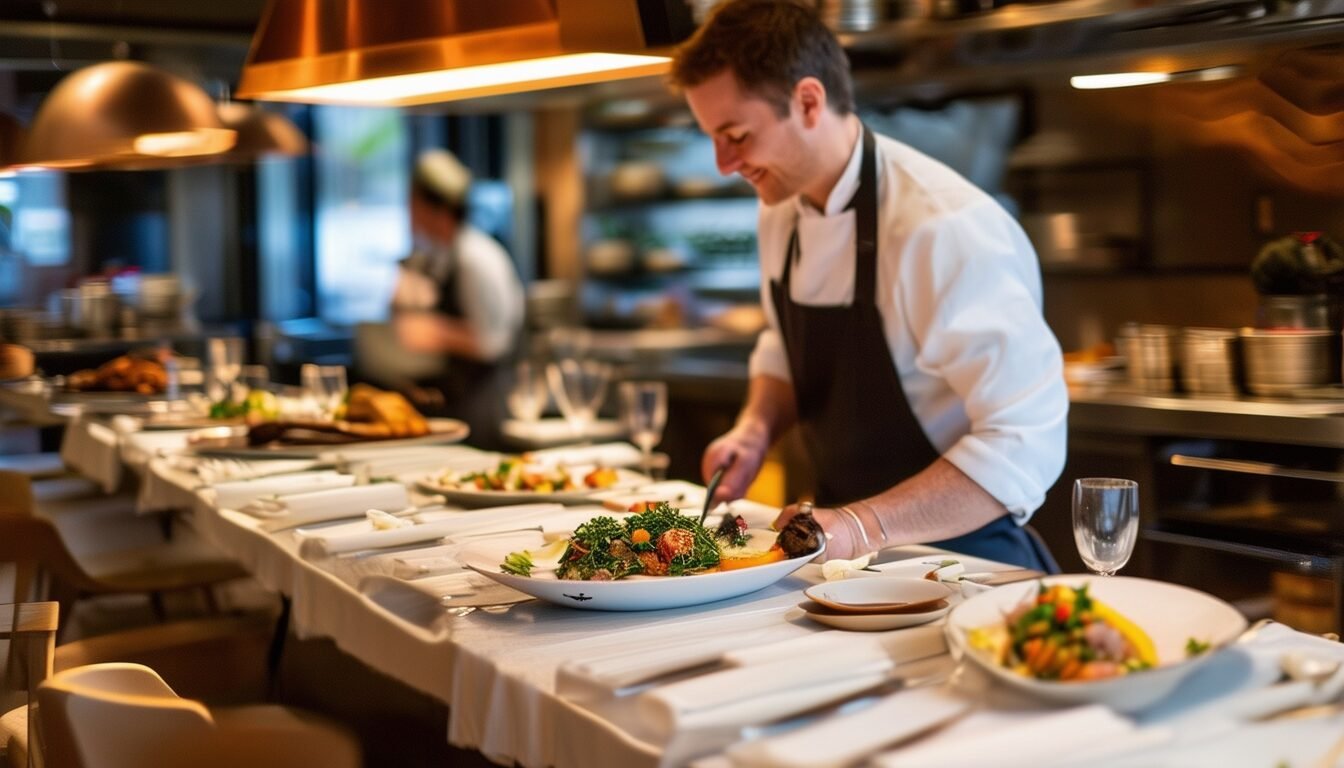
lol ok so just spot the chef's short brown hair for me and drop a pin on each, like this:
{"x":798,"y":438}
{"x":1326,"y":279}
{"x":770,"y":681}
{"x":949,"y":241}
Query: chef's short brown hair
{"x":769,"y":45}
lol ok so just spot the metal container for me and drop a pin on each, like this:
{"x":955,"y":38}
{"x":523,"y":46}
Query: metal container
{"x":1314,"y":311}
{"x":1209,"y":361}
{"x":1150,"y":356}
{"x":1287,"y":361}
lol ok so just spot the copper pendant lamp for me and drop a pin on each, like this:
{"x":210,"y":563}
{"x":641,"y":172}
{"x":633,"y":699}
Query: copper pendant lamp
{"x":260,"y":133}
{"x":124,"y":114}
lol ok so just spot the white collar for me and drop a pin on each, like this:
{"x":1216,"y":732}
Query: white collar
{"x":844,"y":187}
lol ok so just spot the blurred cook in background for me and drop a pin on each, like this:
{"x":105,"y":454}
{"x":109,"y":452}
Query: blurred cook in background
{"x":458,"y":295}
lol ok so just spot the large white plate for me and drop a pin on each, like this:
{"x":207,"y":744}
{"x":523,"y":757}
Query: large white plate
{"x":637,"y":593}
{"x":474,"y":499}
{"x":1169,"y":613}
{"x":441,"y":432}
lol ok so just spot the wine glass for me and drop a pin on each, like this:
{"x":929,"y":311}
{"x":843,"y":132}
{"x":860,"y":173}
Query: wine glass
{"x":579,"y":387}
{"x":1105,"y":522}
{"x":644,"y":413}
{"x":528,"y":395}
{"x":226,"y":364}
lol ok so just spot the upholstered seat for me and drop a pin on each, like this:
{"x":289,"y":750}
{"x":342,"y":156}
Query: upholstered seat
{"x":125,"y":716}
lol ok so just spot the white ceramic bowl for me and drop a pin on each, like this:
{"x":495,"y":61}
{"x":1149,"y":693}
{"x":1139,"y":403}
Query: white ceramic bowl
{"x":1169,"y":613}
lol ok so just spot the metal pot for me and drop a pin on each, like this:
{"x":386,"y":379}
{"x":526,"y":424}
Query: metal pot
{"x":1150,"y":356}
{"x":1209,"y":360}
{"x":1286,"y":361}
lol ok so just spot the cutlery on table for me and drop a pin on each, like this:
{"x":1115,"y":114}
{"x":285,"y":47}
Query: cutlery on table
{"x":713,"y":486}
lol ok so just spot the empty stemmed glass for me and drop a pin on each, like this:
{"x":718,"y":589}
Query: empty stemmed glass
{"x":226,"y":365}
{"x":1105,"y":522}
{"x":579,"y":387}
{"x":324,"y":388}
{"x":528,"y":395}
{"x":644,"y":414}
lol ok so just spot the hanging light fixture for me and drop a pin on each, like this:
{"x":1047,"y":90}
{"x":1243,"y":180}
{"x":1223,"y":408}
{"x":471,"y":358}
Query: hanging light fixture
{"x":260,"y":133}
{"x":124,"y":114}
{"x":410,"y":52}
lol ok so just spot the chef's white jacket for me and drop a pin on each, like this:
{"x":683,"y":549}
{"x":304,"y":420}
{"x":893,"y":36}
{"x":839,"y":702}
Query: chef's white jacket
{"x":959,"y":293}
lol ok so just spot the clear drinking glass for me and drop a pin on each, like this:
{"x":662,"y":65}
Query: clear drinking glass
{"x":579,"y":387}
{"x":226,"y":365}
{"x":528,"y":395}
{"x":334,"y":387}
{"x":570,"y":342}
{"x":1105,"y":522}
{"x":644,"y":414}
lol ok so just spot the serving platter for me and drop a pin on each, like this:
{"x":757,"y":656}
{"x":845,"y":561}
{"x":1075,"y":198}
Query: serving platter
{"x":475,"y":499}
{"x":231,"y":442}
{"x":635,"y":593}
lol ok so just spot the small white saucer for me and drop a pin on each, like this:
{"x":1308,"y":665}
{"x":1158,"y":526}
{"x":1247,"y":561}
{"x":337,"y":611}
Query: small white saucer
{"x":891,"y":594}
{"x":870,"y":622}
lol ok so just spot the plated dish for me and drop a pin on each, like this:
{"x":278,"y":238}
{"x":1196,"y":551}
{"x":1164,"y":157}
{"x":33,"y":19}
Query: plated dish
{"x":514,"y":481}
{"x":653,"y":560}
{"x":1123,"y":642}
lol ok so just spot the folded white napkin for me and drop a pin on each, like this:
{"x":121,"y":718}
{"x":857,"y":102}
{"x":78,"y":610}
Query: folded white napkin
{"x":236,"y":493}
{"x":1010,"y":740}
{"x":605,"y":454}
{"x":293,"y":510}
{"x":318,"y":545}
{"x":705,"y":713}
{"x":844,"y":739}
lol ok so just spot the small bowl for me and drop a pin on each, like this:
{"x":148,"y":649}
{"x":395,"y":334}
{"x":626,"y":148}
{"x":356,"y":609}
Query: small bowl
{"x":891,"y":595}
{"x":871,"y":622}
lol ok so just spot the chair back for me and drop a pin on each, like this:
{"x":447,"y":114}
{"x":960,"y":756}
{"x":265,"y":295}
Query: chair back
{"x":119,"y":716}
{"x":31,"y":631}
{"x":32,"y":543}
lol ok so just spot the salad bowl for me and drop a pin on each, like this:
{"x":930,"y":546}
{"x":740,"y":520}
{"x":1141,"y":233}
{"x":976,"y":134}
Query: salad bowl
{"x":1186,"y":628}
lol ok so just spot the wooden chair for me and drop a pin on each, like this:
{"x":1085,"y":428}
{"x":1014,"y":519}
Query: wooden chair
{"x":31,"y":631}
{"x":35,"y":547}
{"x":126,"y":716}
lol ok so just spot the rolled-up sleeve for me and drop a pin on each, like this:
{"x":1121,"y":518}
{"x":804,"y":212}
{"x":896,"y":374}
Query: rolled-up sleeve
{"x":970,"y":288}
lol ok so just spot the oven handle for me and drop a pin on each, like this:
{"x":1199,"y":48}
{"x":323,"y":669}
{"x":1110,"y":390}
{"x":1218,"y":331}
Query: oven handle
{"x":1256,"y":468}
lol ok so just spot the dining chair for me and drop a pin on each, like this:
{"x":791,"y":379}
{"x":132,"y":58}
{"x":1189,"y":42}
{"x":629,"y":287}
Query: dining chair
{"x":30,"y":629}
{"x":125,"y":716}
{"x":36,"y":548}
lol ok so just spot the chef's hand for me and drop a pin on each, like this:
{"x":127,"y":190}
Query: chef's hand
{"x":843,"y":542}
{"x":743,"y":450}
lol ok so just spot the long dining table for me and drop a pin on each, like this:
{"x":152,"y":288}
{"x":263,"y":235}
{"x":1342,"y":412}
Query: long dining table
{"x":743,"y":681}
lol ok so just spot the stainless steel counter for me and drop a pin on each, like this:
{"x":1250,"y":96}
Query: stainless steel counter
{"x":1114,"y":410}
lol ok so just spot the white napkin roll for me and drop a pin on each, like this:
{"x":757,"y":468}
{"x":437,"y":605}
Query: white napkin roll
{"x":902,"y":646}
{"x":322,"y":546}
{"x":605,"y":454}
{"x":842,"y":740}
{"x":721,"y":703}
{"x":333,"y":504}
{"x":236,"y":493}
{"x":1021,"y":741}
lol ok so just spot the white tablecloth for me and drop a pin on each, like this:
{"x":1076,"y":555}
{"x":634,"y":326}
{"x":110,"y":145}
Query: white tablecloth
{"x":497,"y":671}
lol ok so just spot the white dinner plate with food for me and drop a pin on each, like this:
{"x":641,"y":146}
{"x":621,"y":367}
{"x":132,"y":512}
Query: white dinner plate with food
{"x":1161,"y":632}
{"x":460,"y":488}
{"x":872,"y":622}
{"x":638,"y":592}
{"x":231,"y":442}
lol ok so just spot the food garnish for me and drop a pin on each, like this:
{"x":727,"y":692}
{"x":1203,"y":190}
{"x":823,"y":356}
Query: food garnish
{"x":1195,"y":647}
{"x":1066,"y":634}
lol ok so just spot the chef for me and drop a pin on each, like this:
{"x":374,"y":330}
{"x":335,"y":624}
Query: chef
{"x":458,"y":296}
{"x":905,"y":333}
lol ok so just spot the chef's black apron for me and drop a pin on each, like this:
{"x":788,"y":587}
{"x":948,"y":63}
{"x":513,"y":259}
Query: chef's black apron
{"x":856,"y":421}
{"x":473,"y":391}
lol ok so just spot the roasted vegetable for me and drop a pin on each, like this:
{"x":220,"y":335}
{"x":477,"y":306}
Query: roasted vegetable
{"x":802,"y":535}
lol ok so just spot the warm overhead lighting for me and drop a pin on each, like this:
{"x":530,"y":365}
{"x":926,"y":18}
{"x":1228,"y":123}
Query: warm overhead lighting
{"x":414,"y":52}
{"x":483,"y":80}
{"x":261,"y":133}
{"x":1131,"y":79}
{"x":123,"y":114}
